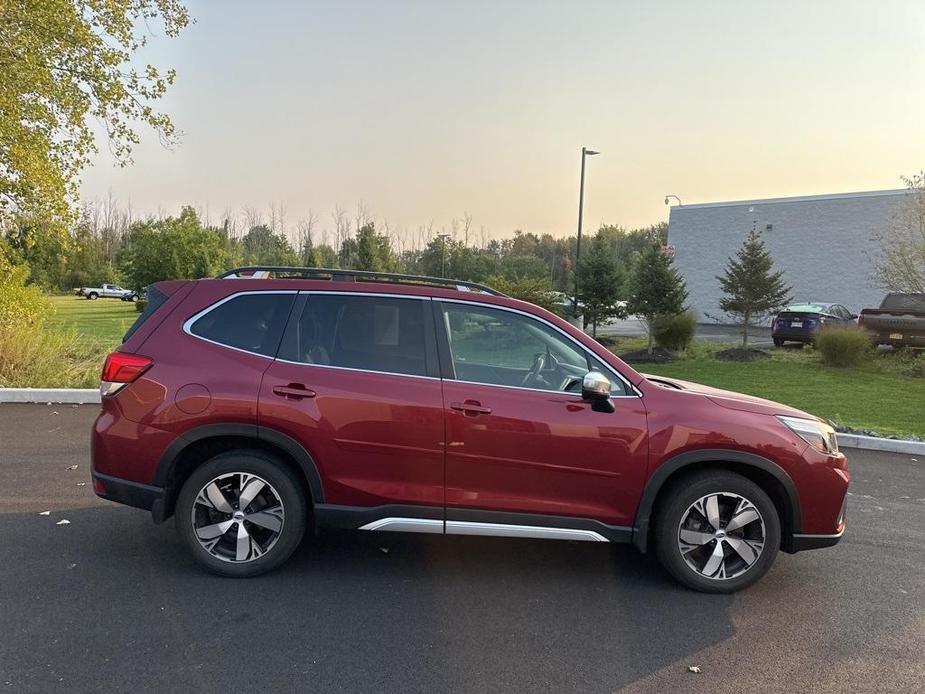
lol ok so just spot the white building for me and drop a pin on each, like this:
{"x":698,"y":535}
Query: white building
{"x":825,"y":244}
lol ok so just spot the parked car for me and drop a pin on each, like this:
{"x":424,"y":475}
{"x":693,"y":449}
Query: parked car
{"x":252,"y":409}
{"x":132,"y":295}
{"x":801,"y":322}
{"x":107,"y":291}
{"x":900,"y":321}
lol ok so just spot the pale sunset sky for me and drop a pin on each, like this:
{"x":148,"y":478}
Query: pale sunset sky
{"x":425,"y":110}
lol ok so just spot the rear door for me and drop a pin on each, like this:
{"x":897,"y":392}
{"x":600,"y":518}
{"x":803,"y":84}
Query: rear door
{"x":519,"y":436}
{"x":356,"y":383}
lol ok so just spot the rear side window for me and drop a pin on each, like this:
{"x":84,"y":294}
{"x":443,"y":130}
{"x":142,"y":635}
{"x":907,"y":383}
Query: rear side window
{"x":249,"y":322}
{"x":369,"y":333}
{"x":156,"y":299}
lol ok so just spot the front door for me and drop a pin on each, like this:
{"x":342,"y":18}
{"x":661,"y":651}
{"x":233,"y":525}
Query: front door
{"x":519,"y":436}
{"x":356,"y":383}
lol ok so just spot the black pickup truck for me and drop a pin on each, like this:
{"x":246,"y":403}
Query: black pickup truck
{"x":900,"y":321}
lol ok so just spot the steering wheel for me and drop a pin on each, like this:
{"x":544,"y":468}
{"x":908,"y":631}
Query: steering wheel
{"x":539,"y":363}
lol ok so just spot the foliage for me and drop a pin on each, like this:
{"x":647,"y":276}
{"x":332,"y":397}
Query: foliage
{"x":676,"y":332}
{"x":368,"y":250}
{"x":843,"y":346}
{"x":261,"y":246}
{"x":535,"y":290}
{"x":752,"y":288}
{"x":31,"y":357}
{"x":21,"y":305}
{"x":599,"y":284}
{"x":656,"y":290}
{"x":141,"y":305}
{"x":902,"y":267}
{"x":172,"y":248}
{"x":62,"y":64}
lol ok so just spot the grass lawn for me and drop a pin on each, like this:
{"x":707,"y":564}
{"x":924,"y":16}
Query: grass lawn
{"x":879,"y":396}
{"x":105,"y":320}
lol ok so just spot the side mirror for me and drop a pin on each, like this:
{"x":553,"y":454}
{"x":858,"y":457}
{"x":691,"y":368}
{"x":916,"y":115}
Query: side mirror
{"x":595,"y":388}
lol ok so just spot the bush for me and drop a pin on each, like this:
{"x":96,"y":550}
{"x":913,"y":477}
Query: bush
{"x":141,"y":305}
{"x":676,"y":332}
{"x":20,"y":304}
{"x":843,"y":346}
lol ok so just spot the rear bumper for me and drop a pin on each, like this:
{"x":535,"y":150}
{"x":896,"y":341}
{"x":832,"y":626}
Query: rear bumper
{"x":145,"y":496}
{"x":806,"y":336}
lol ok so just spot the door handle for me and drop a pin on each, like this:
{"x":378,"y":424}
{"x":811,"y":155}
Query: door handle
{"x":296,"y":391}
{"x":470,"y":408}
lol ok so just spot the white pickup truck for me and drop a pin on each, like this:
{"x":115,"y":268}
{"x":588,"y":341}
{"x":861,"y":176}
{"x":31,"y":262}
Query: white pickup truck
{"x":107,"y":291}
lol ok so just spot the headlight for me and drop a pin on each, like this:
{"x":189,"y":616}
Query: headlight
{"x":817,"y":434}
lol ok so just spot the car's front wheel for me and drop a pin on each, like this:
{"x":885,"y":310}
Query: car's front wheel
{"x":242,"y":513}
{"x":716,"y":531}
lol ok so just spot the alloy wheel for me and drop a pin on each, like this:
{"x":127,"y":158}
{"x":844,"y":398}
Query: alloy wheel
{"x":721,"y":535}
{"x":237,"y":517}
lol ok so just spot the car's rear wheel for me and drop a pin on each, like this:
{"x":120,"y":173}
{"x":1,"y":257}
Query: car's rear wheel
{"x":93,"y":296}
{"x":778,"y":342}
{"x":716,"y":531}
{"x":242,"y":513}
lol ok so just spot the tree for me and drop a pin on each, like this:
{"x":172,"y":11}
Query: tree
{"x":656,"y":290}
{"x":262,"y":247}
{"x":172,"y":248}
{"x":751,"y":286}
{"x":599,"y":282}
{"x":902,"y":267}
{"x":63,"y":63}
{"x":373,"y":251}
{"x":535,"y":290}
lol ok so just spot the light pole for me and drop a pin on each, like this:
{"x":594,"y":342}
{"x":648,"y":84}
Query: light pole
{"x":443,"y":238}
{"x":680,"y":204}
{"x":585,"y":152}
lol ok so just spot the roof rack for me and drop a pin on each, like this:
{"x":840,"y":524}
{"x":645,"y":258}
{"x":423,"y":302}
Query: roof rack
{"x":335,"y":275}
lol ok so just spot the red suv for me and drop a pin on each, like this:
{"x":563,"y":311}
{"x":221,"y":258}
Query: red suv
{"x":252,"y":405}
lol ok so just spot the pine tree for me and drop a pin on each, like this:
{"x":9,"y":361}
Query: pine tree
{"x":751,"y":286}
{"x":656,"y":289}
{"x":599,"y":283}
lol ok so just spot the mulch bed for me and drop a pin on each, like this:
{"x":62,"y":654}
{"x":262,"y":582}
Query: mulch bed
{"x":641,"y":356}
{"x":739,"y":354}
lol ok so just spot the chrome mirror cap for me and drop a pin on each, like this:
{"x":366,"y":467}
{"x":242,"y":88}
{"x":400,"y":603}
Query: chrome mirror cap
{"x":595,"y":386}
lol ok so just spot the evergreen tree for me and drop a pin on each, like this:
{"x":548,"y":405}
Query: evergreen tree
{"x":656,"y":290}
{"x":752,"y":289}
{"x":599,"y":283}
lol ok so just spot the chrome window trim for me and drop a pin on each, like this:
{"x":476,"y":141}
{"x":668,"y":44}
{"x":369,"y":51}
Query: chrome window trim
{"x":362,"y":371}
{"x":634,"y":391}
{"x":188,"y":323}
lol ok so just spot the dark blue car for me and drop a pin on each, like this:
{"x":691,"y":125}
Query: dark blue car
{"x":800,"y":322}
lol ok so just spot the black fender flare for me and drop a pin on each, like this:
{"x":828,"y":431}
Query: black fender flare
{"x":293,"y":448}
{"x":709,"y":455}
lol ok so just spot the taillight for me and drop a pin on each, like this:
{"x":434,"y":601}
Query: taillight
{"x":121,"y":369}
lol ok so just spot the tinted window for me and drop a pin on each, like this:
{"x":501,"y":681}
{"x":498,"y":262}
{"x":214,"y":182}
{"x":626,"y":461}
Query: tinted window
{"x":503,"y":348}
{"x":361,"y":332}
{"x":156,"y":299}
{"x":252,"y":322}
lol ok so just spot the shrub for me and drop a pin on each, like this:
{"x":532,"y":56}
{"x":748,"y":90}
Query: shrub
{"x":843,"y":346}
{"x":676,"y":332}
{"x":20,"y":304}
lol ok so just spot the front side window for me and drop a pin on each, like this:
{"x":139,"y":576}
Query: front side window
{"x":369,"y":333}
{"x":499,"y":347}
{"x":250,"y":322}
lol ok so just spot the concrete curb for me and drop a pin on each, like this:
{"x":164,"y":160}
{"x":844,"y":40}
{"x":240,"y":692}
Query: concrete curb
{"x":84,"y":396}
{"x":78,"y":396}
{"x":875,"y":443}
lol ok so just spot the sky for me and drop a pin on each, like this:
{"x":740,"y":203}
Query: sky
{"x":424,"y":111}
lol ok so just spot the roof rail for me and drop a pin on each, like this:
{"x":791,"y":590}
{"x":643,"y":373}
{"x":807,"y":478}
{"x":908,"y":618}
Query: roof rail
{"x":336,"y":275}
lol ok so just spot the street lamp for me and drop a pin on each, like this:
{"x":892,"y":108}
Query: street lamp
{"x":680,"y":204}
{"x":585,"y":152}
{"x":443,"y":238}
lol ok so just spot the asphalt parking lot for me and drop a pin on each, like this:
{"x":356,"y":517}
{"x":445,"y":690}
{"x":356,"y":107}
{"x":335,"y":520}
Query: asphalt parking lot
{"x":111,"y":603}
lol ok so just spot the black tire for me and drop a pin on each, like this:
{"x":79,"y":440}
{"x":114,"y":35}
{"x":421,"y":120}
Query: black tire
{"x":281,"y":483}
{"x":673,"y":510}
{"x":778,"y":342}
{"x":93,"y":296}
